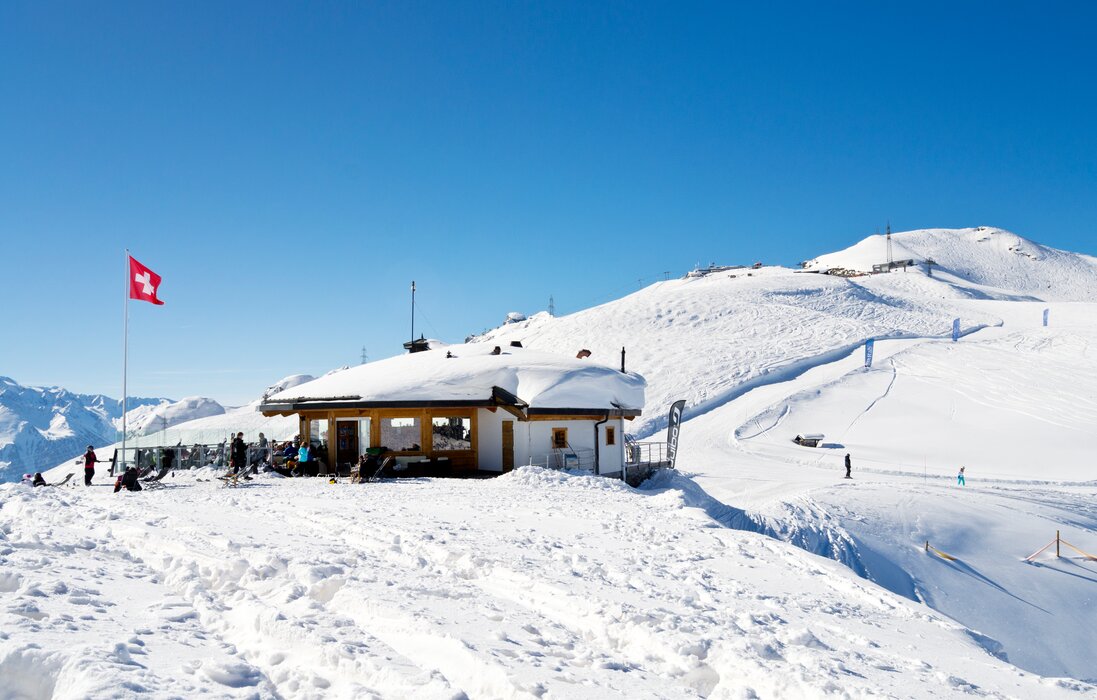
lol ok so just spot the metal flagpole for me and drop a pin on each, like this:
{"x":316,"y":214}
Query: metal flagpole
{"x":125,"y":355}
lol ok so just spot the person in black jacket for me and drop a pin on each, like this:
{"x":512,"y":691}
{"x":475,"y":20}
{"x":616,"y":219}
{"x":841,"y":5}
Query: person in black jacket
{"x":128,"y":480}
{"x":849,"y":466}
{"x":239,"y":453}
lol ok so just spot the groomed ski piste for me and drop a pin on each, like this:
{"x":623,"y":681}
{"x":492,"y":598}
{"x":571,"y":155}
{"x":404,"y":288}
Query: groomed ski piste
{"x":755,"y":570}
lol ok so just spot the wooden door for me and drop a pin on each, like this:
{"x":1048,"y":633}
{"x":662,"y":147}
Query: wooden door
{"x":508,"y":445}
{"x":346,"y":445}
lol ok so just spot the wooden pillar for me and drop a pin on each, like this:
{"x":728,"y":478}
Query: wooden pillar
{"x":426,"y":433}
{"x":333,"y":468}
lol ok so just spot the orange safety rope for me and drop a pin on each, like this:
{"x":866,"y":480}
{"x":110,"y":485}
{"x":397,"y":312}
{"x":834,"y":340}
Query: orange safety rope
{"x":1087,"y":555}
{"x":939,"y":552}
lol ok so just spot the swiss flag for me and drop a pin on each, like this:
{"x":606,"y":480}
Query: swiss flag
{"x":143,"y":283}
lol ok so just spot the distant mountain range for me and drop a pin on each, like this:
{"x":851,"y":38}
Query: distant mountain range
{"x":42,"y":426}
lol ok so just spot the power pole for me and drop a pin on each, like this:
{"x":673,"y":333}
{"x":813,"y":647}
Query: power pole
{"x":891,"y":257}
{"x":552,"y":306}
{"x":365,"y":357}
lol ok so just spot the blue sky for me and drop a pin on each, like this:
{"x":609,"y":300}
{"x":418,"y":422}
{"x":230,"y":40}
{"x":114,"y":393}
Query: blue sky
{"x":289,"y":168}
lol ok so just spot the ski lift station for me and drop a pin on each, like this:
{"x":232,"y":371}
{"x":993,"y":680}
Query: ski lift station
{"x":467,"y":409}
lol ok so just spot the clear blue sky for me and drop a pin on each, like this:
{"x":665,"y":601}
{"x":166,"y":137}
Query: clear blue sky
{"x":289,"y":168}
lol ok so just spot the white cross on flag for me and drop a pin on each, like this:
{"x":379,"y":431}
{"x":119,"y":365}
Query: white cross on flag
{"x":143,"y":283}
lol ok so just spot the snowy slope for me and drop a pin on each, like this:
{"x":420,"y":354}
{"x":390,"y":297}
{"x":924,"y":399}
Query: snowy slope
{"x":994,"y":405}
{"x":705,"y":339}
{"x":532,"y":585}
{"x":1015,"y":404}
{"x":40,"y":426}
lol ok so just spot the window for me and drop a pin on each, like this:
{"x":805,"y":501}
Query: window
{"x":318,"y":437}
{"x":559,"y":438}
{"x":401,"y":434}
{"x":611,"y":435}
{"x":451,"y":433}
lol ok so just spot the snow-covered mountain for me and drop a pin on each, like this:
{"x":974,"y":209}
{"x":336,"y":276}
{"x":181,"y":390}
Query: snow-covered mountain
{"x":707,"y":339}
{"x":151,"y":418}
{"x":975,"y":258}
{"x":40,"y":426}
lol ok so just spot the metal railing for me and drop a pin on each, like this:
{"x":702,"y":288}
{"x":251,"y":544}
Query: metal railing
{"x":186,"y":457}
{"x":570,"y":459}
{"x":646,"y":454}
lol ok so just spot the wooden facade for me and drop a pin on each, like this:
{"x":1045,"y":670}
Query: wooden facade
{"x":461,"y":461}
{"x":491,"y":434}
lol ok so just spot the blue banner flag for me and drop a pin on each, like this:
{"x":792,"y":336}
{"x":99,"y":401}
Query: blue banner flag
{"x":1047,"y":312}
{"x":869,"y":344}
{"x":955,"y":329}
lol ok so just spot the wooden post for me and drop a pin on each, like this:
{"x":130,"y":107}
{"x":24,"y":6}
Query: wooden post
{"x":333,"y":437}
{"x":1056,"y":543}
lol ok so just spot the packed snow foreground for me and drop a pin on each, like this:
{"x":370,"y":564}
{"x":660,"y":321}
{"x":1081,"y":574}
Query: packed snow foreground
{"x":534,"y":584}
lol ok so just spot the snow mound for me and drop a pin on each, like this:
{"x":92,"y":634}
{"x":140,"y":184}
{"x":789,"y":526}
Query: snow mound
{"x":532,"y":476}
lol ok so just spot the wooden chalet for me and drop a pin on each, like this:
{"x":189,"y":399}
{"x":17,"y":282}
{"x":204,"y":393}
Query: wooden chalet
{"x":469,"y":408}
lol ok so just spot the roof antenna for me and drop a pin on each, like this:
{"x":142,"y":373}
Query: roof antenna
{"x":413,"y":311}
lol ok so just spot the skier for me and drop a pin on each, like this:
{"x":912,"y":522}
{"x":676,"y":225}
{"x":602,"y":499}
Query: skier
{"x":849,"y":466}
{"x":960,"y":478}
{"x":89,"y":465}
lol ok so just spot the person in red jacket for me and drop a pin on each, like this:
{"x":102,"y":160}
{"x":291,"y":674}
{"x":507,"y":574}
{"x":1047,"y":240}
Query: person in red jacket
{"x":89,"y":465}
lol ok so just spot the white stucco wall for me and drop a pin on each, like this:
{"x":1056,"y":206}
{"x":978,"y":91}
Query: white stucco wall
{"x":489,"y":439}
{"x":611,"y":457}
{"x":533,"y":439}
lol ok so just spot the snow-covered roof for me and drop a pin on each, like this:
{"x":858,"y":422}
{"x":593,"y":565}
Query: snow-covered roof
{"x":471,"y":375}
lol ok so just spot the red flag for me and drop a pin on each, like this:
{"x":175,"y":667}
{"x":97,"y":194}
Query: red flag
{"x":143,"y":283}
